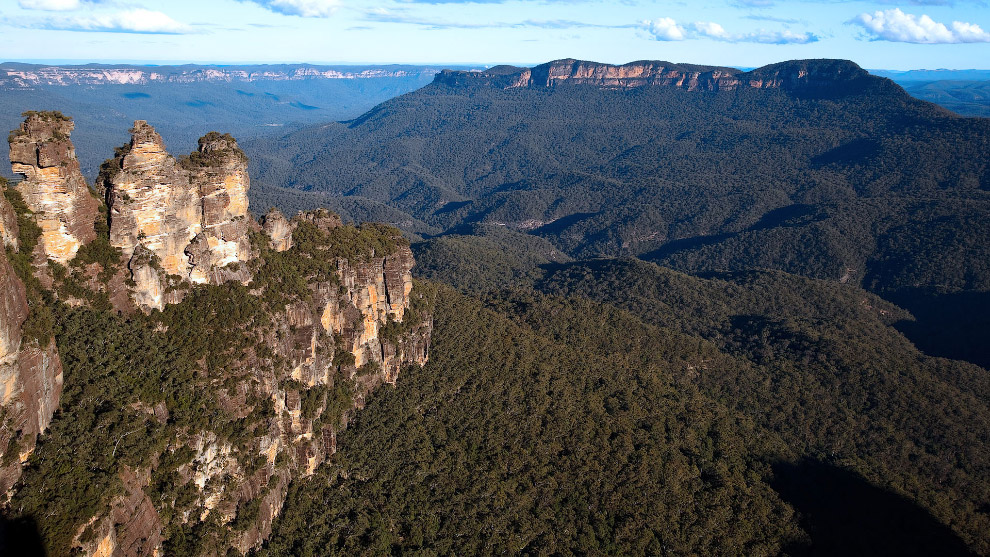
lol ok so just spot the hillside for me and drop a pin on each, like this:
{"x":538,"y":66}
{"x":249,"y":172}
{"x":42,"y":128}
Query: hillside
{"x":181,"y":378}
{"x":168,"y":364}
{"x":758,"y":414}
{"x":812,"y":167}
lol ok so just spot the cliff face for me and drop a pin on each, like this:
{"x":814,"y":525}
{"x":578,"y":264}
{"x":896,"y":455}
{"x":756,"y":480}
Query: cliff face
{"x":788,"y":75}
{"x":189,"y":220}
{"x":351,"y":333}
{"x":9,"y":230}
{"x":30,"y":375}
{"x":333,"y":316}
{"x":53,"y":187}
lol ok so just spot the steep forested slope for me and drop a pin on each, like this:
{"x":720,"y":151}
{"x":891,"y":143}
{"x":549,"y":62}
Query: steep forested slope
{"x":822,"y":368}
{"x":560,"y":425}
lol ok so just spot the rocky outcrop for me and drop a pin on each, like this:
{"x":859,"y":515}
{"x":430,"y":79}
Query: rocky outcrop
{"x":278,"y":229}
{"x":191,"y":216}
{"x":132,"y":527}
{"x":313,"y":362}
{"x":331,"y":319}
{"x":9,"y":230}
{"x":788,"y":75}
{"x":353,"y":330}
{"x":53,"y":187}
{"x":30,"y":377}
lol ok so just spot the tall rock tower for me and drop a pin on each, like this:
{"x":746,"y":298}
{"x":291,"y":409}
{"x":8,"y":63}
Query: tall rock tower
{"x":53,"y":187}
{"x":186,"y":218}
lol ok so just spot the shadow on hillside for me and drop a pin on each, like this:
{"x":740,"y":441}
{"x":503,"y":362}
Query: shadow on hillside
{"x":953,"y":326}
{"x":20,"y":537}
{"x":844,"y":514}
{"x":788,"y":216}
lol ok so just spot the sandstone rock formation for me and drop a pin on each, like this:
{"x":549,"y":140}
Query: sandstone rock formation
{"x":30,"y":376}
{"x":53,"y":187}
{"x":191,"y":217}
{"x":278,"y":229}
{"x":350,"y":333}
{"x":336,"y":321}
{"x":219,"y":170}
{"x":788,"y":75}
{"x":9,"y":230}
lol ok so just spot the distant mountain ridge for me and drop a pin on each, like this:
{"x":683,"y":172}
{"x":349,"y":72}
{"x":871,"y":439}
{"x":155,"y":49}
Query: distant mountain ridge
{"x":789,"y":75}
{"x":14,"y":74}
{"x":830,"y":173}
{"x":186,"y":101}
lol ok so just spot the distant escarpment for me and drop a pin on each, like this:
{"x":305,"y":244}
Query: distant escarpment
{"x":787,"y":75}
{"x":181,"y":425}
{"x":16,"y":75}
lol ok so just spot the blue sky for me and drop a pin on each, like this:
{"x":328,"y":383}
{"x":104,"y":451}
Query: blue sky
{"x":883,"y":34}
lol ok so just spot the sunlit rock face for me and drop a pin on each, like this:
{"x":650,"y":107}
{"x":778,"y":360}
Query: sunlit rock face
{"x":53,"y":187}
{"x":30,"y":376}
{"x":798,"y":74}
{"x":278,"y":229}
{"x":219,"y":170}
{"x":152,"y":203}
{"x":191,"y":215}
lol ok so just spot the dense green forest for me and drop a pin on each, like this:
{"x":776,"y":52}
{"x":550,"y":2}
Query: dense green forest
{"x":855,"y":181}
{"x":664,"y":322}
{"x":711,"y":418}
{"x":826,"y":368}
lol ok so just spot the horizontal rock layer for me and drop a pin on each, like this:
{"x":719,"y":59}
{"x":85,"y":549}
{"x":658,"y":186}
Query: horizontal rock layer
{"x":787,"y":75}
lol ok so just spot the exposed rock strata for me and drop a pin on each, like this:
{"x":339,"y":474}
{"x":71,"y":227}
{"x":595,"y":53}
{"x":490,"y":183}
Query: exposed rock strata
{"x":191,"y":217}
{"x":278,"y":229}
{"x":349,"y":332}
{"x":788,"y":75}
{"x":30,"y":377}
{"x":53,"y":187}
{"x":33,"y":75}
{"x":9,"y":230}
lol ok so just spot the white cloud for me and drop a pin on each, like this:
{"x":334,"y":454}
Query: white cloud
{"x":128,"y":21}
{"x":303,"y":8}
{"x":50,"y":5}
{"x":897,"y":26}
{"x":667,"y":29}
{"x":710,"y":29}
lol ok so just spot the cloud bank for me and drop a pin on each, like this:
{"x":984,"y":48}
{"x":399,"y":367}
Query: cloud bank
{"x":667,"y":29}
{"x":897,"y":26}
{"x":50,"y":5}
{"x":129,"y":21}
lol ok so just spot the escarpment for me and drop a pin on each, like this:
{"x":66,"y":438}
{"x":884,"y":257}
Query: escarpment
{"x":320,"y":326}
{"x":30,"y":369}
{"x":53,"y":188}
{"x":266,"y":341}
{"x":793,"y":75}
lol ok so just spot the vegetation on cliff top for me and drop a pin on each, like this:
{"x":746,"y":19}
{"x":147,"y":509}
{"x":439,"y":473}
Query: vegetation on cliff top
{"x":139,"y":388}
